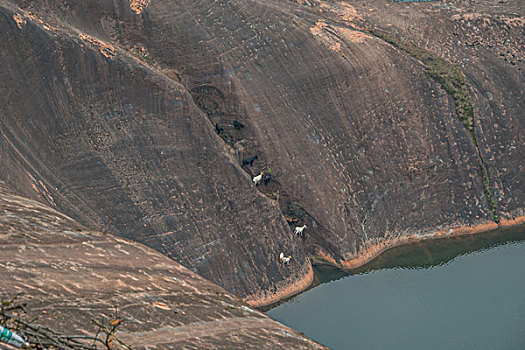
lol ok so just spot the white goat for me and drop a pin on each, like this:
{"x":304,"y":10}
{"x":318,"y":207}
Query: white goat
{"x":257,"y":179}
{"x":299,"y":230}
{"x":285,"y":259}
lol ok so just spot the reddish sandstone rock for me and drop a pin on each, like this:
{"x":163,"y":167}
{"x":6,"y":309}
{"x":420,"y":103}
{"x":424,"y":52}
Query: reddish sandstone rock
{"x":67,"y":275}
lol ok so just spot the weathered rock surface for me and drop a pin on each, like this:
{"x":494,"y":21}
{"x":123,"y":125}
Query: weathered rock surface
{"x":122,"y":148}
{"x":70,"y":275}
{"x":108,"y":112}
{"x":487,"y":39}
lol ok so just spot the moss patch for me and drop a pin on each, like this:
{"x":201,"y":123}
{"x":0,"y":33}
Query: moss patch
{"x":452,"y":79}
{"x":447,"y":74}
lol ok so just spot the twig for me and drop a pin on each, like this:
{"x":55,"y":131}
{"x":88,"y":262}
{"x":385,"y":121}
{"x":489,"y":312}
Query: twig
{"x":111,"y":333}
{"x":44,"y":337}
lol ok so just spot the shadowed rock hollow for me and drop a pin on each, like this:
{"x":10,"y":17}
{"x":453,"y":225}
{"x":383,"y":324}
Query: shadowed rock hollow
{"x":107,"y":113}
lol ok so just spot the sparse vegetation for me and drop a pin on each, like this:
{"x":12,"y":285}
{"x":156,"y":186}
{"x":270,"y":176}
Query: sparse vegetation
{"x":266,"y":169}
{"x":40,"y":337}
{"x":453,"y":81}
{"x":140,"y":52}
{"x":447,"y":74}
{"x":488,"y":192}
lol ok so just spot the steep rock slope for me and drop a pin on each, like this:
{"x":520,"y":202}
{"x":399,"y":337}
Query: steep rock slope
{"x":363,"y":145}
{"x":69,"y":275}
{"x":123,"y":148}
{"x":487,"y":40}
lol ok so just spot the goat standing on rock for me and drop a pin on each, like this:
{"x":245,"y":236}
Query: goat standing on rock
{"x":257,"y":179}
{"x":299,"y":230}
{"x":285,"y":259}
{"x":238,"y":125}
{"x":249,"y":160}
{"x":219,"y":129}
{"x":267,"y":178}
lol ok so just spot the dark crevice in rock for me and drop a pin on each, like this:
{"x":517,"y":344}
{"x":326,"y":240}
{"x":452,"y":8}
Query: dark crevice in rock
{"x":217,"y":107}
{"x":212,"y":101}
{"x":454,"y":82}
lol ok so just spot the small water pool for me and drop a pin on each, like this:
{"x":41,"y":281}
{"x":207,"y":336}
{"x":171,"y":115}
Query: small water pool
{"x":463,"y":293}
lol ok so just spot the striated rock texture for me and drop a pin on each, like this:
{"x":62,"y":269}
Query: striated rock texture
{"x":69,"y":275}
{"x":108,"y":113}
{"x":121,"y":147}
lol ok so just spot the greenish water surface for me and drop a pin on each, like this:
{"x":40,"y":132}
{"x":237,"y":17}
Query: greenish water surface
{"x":455,"y":293}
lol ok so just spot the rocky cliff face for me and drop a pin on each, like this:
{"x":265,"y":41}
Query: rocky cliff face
{"x":67,"y":276}
{"x":108,"y":112}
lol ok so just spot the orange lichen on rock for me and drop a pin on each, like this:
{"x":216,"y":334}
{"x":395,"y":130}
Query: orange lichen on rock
{"x":336,"y":47}
{"x":514,"y":21}
{"x":295,"y":287}
{"x":462,"y":230}
{"x":325,"y":257}
{"x":26,"y":16}
{"x":488,"y":19}
{"x":344,"y":10}
{"x":138,"y":5}
{"x":520,"y":220}
{"x":20,"y":21}
{"x":334,"y":40}
{"x":327,"y":37}
{"x":31,"y":16}
{"x":354,"y":36}
{"x":468,"y":16}
{"x":318,"y":28}
{"x":348,"y":13}
{"x":140,"y":52}
{"x":104,"y":48}
{"x":371,"y":250}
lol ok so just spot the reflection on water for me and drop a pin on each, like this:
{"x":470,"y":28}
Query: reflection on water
{"x":426,"y":254}
{"x":454,"y":293}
